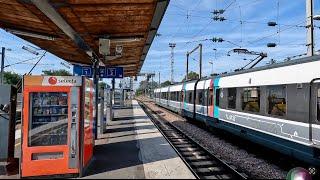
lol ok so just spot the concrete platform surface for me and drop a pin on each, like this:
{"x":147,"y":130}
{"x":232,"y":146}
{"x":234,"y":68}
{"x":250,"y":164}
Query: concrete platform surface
{"x":133,"y":148}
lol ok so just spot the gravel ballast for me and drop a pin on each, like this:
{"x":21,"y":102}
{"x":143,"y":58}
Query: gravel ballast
{"x":247,"y":162}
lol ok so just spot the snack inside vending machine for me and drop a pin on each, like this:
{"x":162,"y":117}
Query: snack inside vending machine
{"x":57,"y":127}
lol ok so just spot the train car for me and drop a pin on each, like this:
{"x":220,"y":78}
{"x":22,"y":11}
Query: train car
{"x":164,"y":94}
{"x":277,"y":106}
{"x":175,"y":98}
{"x":188,"y":99}
{"x":157,"y":94}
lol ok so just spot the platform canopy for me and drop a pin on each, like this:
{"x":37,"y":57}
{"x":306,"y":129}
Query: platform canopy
{"x":71,"y":29}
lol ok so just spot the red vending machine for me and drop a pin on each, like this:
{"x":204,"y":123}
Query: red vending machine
{"x":57,"y":127}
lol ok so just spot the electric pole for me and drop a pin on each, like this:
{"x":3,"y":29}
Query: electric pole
{"x":310,"y":33}
{"x":172,"y":45}
{"x":2,"y":64}
{"x":159,"y":80}
{"x":200,"y":60}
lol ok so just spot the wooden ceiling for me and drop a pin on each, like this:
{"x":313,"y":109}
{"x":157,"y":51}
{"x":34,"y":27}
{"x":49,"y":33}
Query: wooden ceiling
{"x":91,"y":20}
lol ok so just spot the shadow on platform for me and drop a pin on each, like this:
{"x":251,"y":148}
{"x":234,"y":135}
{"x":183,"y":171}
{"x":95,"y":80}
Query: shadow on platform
{"x":109,"y":157}
{"x":129,"y":118}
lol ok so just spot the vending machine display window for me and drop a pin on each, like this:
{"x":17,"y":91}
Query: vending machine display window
{"x":48,"y":119}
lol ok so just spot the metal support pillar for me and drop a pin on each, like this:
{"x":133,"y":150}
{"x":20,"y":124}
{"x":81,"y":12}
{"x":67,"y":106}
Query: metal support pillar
{"x":102,"y":114}
{"x":96,"y":83}
{"x":152,"y":93}
{"x":111,"y":98}
{"x":310,"y":28}
{"x":2,"y":65}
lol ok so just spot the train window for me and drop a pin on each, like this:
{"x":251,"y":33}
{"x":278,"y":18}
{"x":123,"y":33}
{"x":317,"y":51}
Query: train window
{"x":172,"y":96}
{"x":164,"y":95}
{"x":318,"y":105}
{"x":277,"y":100}
{"x":217,"y":97}
{"x":190,"y":98}
{"x":251,"y":99}
{"x":232,"y":96}
{"x":187,"y":96}
{"x":199,"y":97}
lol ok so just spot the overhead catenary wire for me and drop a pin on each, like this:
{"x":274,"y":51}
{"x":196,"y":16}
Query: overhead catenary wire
{"x":22,"y":61}
{"x":270,"y":35}
{"x":230,"y":5}
{"x":19,"y":84}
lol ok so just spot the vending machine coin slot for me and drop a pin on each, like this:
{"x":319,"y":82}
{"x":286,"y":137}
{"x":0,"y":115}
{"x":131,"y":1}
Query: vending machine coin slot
{"x":48,"y":155}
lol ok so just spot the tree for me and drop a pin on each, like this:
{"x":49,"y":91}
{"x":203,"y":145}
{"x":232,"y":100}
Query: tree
{"x":103,"y":85}
{"x":145,"y":85}
{"x":60,"y":72}
{"x":11,"y":78}
{"x":166,"y":83}
{"x":191,"y":76}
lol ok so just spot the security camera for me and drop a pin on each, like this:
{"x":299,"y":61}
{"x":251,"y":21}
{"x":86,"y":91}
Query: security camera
{"x":5,"y":108}
{"x":119,"y":49}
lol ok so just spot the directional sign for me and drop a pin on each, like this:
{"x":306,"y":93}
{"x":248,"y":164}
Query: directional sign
{"x":114,"y":72}
{"x":87,"y":71}
{"x":111,"y":72}
{"x":104,"y":72}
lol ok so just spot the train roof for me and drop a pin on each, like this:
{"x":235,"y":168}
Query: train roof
{"x":272,"y":66}
{"x":277,"y":65}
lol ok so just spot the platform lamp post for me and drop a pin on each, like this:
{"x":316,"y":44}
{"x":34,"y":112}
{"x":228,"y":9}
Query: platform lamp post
{"x":2,"y":64}
{"x":211,"y":62}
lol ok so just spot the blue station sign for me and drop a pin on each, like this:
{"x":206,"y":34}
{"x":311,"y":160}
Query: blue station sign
{"x":104,"y":72}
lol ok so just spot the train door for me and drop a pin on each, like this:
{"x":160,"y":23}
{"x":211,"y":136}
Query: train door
{"x":181,"y":99}
{"x":315,"y":111}
{"x":210,"y":102}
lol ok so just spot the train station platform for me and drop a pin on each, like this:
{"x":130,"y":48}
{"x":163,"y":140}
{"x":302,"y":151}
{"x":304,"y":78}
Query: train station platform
{"x":133,"y":148}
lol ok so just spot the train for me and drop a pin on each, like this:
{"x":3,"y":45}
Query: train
{"x":277,"y":105}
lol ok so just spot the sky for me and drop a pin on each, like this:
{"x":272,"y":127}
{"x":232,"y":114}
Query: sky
{"x":189,"y":22}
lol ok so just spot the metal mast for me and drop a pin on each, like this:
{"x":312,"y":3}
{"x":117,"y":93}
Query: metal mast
{"x":310,"y":33}
{"x":172,"y":45}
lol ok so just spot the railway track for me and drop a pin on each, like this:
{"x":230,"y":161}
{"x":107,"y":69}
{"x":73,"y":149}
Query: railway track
{"x":202,"y":163}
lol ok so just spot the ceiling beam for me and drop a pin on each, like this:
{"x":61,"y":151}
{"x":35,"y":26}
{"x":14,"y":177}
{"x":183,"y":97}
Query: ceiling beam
{"x":46,"y":8}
